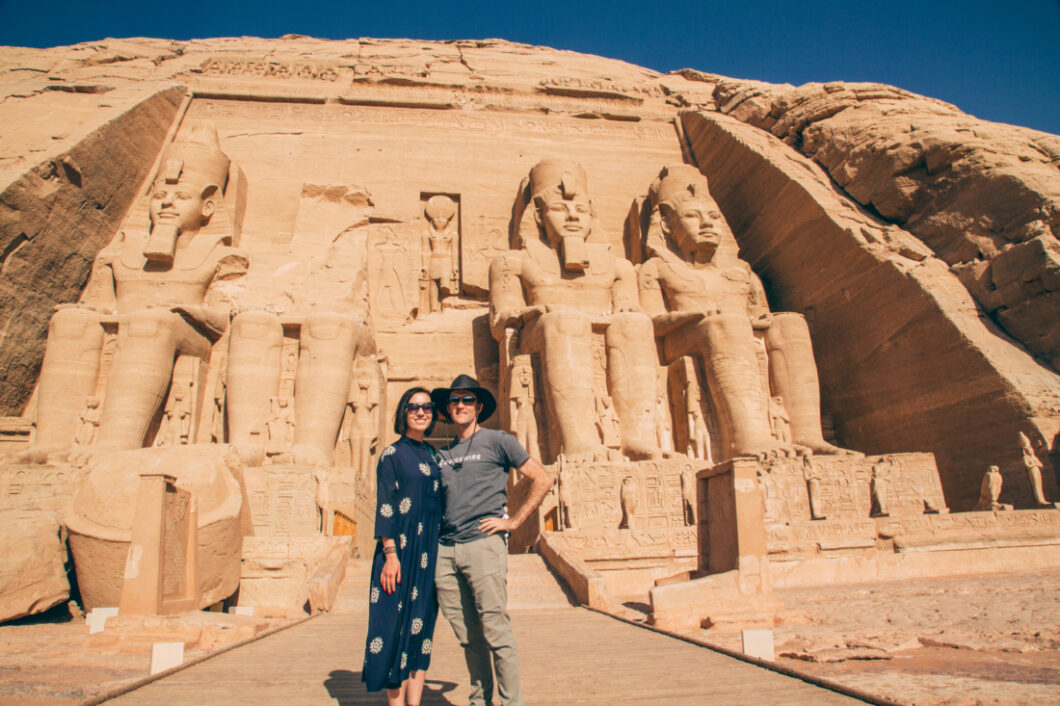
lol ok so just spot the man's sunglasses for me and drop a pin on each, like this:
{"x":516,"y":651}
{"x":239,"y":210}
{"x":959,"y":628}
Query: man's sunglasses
{"x":412,"y":407}
{"x":466,"y":399}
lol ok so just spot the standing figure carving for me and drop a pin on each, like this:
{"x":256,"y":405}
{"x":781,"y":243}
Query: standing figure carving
{"x":157,"y":288}
{"x":364,"y":420}
{"x":86,"y":432}
{"x":439,"y":248}
{"x":879,"y":487}
{"x":627,"y":496}
{"x":560,"y":285}
{"x":280,"y":426}
{"x":523,"y":412}
{"x":1033,"y":466}
{"x":706,"y":301}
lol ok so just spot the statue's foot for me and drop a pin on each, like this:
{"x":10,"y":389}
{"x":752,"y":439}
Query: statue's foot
{"x":40,"y":454}
{"x":589,"y":452}
{"x":250,"y":455}
{"x":86,"y":454}
{"x":820,"y":446}
{"x":772,"y":450}
{"x":301,"y":455}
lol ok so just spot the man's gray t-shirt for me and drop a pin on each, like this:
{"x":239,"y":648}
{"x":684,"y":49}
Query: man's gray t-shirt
{"x":475,"y":482}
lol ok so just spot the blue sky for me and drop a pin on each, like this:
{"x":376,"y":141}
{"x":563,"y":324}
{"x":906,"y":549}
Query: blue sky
{"x":996,"y":60}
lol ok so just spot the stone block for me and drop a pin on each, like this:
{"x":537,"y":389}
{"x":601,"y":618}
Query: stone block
{"x":758,"y":643}
{"x":33,"y":568}
{"x":166,"y":655}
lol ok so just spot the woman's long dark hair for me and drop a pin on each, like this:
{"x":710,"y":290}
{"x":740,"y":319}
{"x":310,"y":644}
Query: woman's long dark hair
{"x":401,"y":420}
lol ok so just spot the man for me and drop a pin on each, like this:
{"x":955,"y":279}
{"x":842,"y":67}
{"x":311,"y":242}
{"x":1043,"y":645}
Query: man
{"x":560,"y":284}
{"x":158,"y":289}
{"x":704,"y":300}
{"x":472,"y":572}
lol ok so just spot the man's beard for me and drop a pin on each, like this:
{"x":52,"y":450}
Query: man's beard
{"x":161,"y":247}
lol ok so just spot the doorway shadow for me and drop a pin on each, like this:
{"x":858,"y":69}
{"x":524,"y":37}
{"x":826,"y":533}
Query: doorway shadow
{"x":347,"y":689}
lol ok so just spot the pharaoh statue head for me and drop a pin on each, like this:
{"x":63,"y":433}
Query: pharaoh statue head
{"x":562,"y":209}
{"x":440,"y":211}
{"x":190,"y":179}
{"x":686,"y":214}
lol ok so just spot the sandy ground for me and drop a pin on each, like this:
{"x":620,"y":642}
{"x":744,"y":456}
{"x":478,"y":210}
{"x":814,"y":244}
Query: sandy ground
{"x":988,"y":639}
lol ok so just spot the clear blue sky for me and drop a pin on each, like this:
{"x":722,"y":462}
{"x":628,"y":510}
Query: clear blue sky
{"x":998,"y":60}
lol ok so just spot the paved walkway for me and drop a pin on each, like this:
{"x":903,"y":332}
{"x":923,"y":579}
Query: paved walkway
{"x":569,"y":655}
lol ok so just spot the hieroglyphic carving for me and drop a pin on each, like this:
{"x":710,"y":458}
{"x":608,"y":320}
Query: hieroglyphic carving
{"x":221,"y":109}
{"x":267,"y":68}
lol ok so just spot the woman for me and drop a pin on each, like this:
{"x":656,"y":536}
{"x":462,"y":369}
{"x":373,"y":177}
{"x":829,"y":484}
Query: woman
{"x":402,"y":606}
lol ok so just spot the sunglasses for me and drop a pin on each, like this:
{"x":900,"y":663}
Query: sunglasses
{"x":426,"y":407}
{"x":466,"y":399}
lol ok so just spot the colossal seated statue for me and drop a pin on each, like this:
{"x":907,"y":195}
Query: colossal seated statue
{"x":707,"y":302}
{"x":333,"y":334}
{"x":562,"y":285}
{"x":157,"y":289}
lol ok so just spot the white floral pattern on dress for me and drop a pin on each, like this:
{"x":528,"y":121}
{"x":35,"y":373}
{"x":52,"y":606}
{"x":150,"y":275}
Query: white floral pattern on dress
{"x":404,"y":659}
{"x":425,"y":469}
{"x":436,"y":486}
{"x":417,"y":625}
{"x":404,"y":540}
{"x":415,"y":592}
{"x":423,"y":561}
{"x":426,"y":649}
{"x":401,"y":604}
{"x":406,"y":503}
{"x":377,"y":646}
{"x":388,"y":451}
{"x":375,"y":595}
{"x":419,"y":528}
{"x":385,"y":510}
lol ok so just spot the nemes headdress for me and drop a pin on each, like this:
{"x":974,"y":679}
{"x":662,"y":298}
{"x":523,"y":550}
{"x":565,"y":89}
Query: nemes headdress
{"x":195,"y":159}
{"x":552,"y":177}
{"x":677,"y":183}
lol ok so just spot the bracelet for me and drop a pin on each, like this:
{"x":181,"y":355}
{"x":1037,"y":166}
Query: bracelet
{"x":390,"y":549}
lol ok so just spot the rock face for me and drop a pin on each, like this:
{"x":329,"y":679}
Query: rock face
{"x":982,"y":196}
{"x":263,"y":243}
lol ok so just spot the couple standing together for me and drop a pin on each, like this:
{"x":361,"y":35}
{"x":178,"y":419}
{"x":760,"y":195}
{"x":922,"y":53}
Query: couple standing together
{"x":440,"y":527}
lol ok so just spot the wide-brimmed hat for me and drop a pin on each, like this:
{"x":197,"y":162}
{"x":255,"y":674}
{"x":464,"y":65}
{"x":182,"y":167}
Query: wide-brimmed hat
{"x":440,"y":397}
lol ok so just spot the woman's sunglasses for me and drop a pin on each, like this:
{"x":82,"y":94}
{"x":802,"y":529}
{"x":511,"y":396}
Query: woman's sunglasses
{"x":426,"y":407}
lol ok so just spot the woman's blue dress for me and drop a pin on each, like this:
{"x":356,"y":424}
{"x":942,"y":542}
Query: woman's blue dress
{"x":408,"y":510}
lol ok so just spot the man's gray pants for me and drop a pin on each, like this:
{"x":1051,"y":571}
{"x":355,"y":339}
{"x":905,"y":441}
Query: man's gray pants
{"x":472,"y":584}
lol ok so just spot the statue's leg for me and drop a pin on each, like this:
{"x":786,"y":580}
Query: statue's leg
{"x":793,"y":373}
{"x":726,"y":343}
{"x":565,"y":341}
{"x":632,"y":370}
{"x":329,"y":344}
{"x":254,"y":361}
{"x":68,"y":375}
{"x":148,"y":343}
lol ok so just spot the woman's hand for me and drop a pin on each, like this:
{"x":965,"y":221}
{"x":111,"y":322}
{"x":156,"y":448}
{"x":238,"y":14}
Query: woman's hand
{"x":390,"y":577}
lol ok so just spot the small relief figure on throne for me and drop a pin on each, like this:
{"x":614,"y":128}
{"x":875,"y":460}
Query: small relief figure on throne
{"x":779,"y":421}
{"x":523,"y":410}
{"x":812,"y":475}
{"x":439,"y":249}
{"x":698,"y":434}
{"x":362,"y":426}
{"x":688,"y":495}
{"x":607,"y":422}
{"x":86,"y":432}
{"x":279,"y":427}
